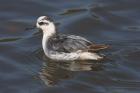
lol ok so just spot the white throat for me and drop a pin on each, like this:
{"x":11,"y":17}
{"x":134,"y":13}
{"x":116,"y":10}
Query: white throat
{"x":47,"y":33}
{"x":49,"y":30}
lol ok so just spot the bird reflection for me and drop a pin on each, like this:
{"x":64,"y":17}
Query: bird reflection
{"x":53,"y":72}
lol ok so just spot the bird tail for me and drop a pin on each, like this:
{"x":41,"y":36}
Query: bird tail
{"x":97,"y":47}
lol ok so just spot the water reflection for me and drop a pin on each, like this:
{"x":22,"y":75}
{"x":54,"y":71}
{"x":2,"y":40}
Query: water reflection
{"x":54,"y":72}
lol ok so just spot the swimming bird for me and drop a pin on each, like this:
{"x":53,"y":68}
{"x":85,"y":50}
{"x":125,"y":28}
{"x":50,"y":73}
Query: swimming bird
{"x":61,"y":47}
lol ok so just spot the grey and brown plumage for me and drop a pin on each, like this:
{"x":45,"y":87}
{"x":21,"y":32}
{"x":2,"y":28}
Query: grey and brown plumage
{"x":66,"y":47}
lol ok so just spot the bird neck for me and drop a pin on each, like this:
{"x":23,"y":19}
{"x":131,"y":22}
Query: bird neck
{"x":46,"y":36}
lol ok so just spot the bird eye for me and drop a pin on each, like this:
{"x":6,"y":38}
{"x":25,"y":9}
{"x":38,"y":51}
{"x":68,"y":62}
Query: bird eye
{"x":41,"y":23}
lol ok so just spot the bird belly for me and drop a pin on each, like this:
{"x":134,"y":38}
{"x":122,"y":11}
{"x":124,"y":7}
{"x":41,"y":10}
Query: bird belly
{"x":64,"y":56}
{"x":74,"y":56}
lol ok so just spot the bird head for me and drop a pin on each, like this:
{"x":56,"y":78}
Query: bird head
{"x":45,"y":24}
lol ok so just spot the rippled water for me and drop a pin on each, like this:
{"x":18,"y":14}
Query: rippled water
{"x":24,"y":68}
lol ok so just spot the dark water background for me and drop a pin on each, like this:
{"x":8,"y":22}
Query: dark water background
{"x":24,"y":69}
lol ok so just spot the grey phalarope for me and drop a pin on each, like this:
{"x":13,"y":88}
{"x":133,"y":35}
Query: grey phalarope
{"x":66,"y":47}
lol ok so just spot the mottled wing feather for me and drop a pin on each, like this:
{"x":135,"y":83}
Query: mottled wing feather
{"x":71,"y":43}
{"x":79,"y":38}
{"x":97,"y":47}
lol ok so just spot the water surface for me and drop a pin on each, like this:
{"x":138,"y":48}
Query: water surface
{"x":24,"y":68}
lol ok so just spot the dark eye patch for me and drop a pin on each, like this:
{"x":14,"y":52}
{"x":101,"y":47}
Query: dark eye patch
{"x":42,"y":23}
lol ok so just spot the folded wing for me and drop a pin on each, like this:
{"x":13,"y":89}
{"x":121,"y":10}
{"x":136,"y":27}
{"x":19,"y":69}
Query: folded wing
{"x":72,"y":43}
